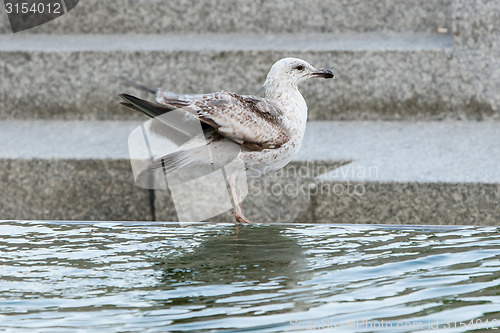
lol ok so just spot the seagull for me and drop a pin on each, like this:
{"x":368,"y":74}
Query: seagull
{"x":267,"y":131}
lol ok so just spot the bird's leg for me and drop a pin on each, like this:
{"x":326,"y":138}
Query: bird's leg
{"x":235,"y":194}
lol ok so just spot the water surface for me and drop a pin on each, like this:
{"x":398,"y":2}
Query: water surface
{"x":119,"y":277}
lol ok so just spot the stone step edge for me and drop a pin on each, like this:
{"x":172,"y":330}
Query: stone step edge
{"x":226,"y":42}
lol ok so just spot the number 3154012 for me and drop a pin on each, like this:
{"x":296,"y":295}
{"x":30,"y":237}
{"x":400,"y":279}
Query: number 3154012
{"x":35,"y":8}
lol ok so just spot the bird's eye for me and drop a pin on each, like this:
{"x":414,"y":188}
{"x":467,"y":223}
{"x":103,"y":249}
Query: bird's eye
{"x":299,"y":68}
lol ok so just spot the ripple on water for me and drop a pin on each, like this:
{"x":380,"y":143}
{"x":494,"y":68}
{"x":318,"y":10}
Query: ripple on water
{"x":135,"y":277}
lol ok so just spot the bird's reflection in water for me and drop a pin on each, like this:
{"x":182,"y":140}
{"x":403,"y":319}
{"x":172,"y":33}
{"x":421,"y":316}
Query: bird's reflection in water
{"x":242,"y":261}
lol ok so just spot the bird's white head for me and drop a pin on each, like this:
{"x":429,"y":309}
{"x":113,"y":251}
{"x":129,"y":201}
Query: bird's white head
{"x":289,"y":72}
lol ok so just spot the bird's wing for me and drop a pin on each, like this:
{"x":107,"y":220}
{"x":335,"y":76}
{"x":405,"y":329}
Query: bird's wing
{"x":195,"y":161}
{"x":253,"y":122}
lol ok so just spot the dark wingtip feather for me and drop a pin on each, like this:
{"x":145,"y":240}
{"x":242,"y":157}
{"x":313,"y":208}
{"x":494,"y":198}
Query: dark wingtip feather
{"x":150,"y":109}
{"x":127,"y":97}
{"x":131,"y":106}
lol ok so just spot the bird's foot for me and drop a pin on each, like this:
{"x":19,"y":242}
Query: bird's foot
{"x":240,"y":218}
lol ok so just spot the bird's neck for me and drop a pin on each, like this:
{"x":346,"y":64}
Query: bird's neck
{"x":289,"y":98}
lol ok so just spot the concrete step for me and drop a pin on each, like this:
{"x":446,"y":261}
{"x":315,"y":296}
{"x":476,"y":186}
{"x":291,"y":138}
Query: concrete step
{"x":346,"y":172}
{"x":247,"y":16}
{"x":423,"y":172}
{"x":379,"y":76}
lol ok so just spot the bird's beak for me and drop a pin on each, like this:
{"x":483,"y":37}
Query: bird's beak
{"x":324,"y":73}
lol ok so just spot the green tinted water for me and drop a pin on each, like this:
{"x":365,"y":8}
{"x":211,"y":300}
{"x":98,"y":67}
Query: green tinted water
{"x":103,"y":277}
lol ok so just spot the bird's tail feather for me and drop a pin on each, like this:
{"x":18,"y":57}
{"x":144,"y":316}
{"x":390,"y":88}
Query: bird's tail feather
{"x":150,"y":109}
{"x":169,"y":122}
